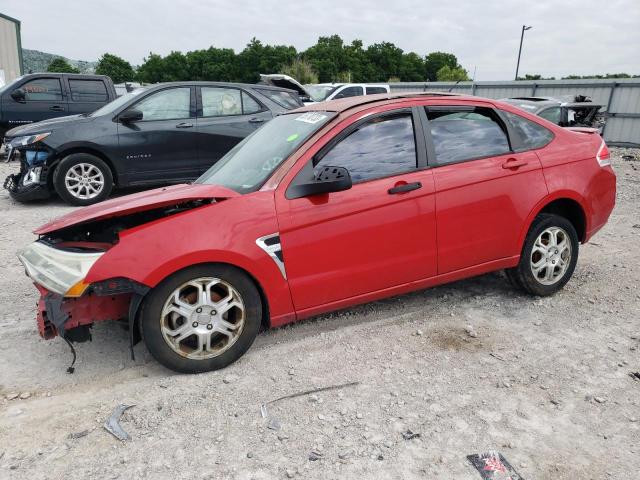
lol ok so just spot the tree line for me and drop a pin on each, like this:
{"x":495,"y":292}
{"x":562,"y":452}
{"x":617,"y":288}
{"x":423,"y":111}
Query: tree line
{"x":329,"y":60}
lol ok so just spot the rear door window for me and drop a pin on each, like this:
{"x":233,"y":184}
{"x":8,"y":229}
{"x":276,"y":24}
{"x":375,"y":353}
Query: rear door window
{"x":349,"y":92}
{"x":43,"y":89}
{"x":531,"y":134}
{"x":382,"y":147}
{"x":220,"y":101}
{"x":466,"y":135}
{"x":374,"y":90}
{"x":88,"y":90}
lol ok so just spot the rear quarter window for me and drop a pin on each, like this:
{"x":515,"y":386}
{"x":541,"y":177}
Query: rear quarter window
{"x":531,"y":134}
{"x":288,"y":100}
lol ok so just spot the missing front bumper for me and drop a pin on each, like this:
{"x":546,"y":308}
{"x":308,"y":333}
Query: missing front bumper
{"x":57,"y":315}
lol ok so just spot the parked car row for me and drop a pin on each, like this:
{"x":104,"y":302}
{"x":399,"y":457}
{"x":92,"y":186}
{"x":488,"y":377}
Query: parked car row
{"x":324,"y":207}
{"x":167,"y":133}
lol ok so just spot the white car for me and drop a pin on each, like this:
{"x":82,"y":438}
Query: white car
{"x":332,"y":91}
{"x":321,"y":92}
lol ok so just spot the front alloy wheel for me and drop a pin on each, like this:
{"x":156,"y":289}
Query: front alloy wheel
{"x":201,"y":318}
{"x":82,"y":179}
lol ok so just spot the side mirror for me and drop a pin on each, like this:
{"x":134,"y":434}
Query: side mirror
{"x":18,"y":95}
{"x":131,"y":115}
{"x":326,"y":180}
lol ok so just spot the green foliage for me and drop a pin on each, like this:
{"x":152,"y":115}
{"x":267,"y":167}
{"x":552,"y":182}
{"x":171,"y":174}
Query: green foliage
{"x":60,"y":65}
{"x":329,"y":60}
{"x":434,"y":62}
{"x":115,"y":67}
{"x":302,"y":71}
{"x":606,"y":75}
{"x":449,"y":74}
{"x":535,"y":76}
{"x":151,"y":70}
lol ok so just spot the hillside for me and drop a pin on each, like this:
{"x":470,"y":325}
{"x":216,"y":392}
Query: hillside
{"x":36,"y":61}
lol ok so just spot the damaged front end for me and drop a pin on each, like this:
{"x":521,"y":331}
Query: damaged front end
{"x":31,"y":182}
{"x":68,"y":306}
{"x":60,"y":261}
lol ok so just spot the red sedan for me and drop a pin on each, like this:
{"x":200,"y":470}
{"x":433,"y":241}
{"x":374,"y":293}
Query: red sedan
{"x":325,"y":207}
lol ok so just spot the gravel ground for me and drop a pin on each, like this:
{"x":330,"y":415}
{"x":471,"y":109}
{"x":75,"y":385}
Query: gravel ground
{"x":472,"y":366}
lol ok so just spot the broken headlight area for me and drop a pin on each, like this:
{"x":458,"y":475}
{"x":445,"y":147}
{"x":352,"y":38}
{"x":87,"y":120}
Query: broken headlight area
{"x":60,"y":271}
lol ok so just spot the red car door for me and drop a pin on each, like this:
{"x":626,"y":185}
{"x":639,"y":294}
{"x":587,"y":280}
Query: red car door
{"x":484,"y":189}
{"x":376,"y":235}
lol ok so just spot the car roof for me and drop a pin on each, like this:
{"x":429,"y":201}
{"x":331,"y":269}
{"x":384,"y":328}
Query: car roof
{"x":350,"y":102}
{"x":219,"y":84}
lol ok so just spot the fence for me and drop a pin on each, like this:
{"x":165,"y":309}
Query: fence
{"x":621,"y":98}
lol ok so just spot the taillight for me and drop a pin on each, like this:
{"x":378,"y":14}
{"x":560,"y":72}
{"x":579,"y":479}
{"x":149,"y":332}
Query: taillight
{"x":603,"y":156}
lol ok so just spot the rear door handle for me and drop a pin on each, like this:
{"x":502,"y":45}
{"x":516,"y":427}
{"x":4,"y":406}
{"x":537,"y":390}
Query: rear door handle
{"x":514,"y":163}
{"x":184,"y":125}
{"x":57,"y":108}
{"x":404,"y":188}
{"x":256,"y":120}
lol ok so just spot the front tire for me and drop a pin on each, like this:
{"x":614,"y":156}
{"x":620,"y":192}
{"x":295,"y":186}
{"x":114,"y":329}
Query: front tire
{"x":202,"y":318}
{"x":82,"y":179}
{"x":548,"y":258}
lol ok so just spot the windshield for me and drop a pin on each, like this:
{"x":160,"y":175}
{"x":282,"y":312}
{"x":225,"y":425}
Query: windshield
{"x":248,"y":165}
{"x":319,"y":93}
{"x":117,"y":103}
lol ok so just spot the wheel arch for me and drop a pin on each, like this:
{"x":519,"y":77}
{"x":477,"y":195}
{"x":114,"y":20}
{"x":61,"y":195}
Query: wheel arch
{"x":159,"y":276}
{"x":62,"y":154}
{"x":567,"y":204}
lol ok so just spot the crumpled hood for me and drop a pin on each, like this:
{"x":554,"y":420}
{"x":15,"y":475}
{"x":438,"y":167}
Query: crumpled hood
{"x":138,"y":202}
{"x":46,"y":125}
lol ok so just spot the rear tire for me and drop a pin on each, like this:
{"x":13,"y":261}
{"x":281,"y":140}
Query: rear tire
{"x":548,"y":257}
{"x":82,"y":179}
{"x":202,"y":318}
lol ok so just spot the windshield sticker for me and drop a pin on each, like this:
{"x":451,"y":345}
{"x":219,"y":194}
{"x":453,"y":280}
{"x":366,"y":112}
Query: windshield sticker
{"x":293,"y":137}
{"x":311,"y":117}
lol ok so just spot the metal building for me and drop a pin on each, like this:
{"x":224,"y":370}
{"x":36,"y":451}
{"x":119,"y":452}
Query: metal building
{"x":620,"y":96}
{"x":10,"y":49}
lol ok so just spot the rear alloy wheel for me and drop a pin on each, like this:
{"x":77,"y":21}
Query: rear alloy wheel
{"x":202,"y":318}
{"x":83,"y":179}
{"x":549,"y":256}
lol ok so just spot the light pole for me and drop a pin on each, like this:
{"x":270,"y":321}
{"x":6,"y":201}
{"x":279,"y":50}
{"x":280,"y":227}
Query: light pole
{"x":524,"y":27}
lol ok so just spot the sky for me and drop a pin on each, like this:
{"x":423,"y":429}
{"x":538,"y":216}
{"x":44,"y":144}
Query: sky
{"x":568,"y":36}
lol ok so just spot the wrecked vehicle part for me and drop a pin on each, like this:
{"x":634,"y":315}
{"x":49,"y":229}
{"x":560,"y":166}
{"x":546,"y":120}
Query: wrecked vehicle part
{"x":104,"y":232}
{"x":30,"y":182}
{"x":112,"y":425}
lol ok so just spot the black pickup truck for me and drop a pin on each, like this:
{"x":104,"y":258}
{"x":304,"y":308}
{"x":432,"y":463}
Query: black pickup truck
{"x":40,"y":96}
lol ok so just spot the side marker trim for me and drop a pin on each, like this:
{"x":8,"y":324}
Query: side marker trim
{"x":271,"y":245}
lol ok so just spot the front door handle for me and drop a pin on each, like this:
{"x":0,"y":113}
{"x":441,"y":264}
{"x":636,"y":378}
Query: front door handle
{"x":404,"y":188}
{"x":184,"y":125}
{"x":514,"y":163}
{"x":256,"y":120}
{"x":57,"y":108}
